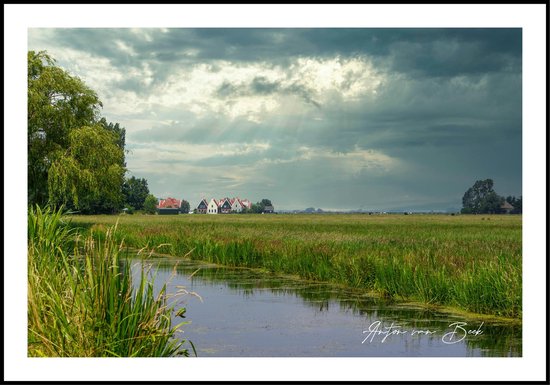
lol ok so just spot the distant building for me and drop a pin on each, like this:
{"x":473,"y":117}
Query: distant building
{"x":169,"y":206}
{"x":213,"y":207}
{"x":506,"y":207}
{"x":224,"y":206}
{"x":202,"y":208}
{"x":268,"y":209}
{"x":245,"y":203}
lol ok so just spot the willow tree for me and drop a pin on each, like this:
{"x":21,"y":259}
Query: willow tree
{"x":89,"y":173}
{"x":57,"y":103}
{"x":69,"y":147}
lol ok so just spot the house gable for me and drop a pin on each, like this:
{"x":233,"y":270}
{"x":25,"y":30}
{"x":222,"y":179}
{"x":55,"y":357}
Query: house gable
{"x":213,"y":207}
{"x":236,"y":205}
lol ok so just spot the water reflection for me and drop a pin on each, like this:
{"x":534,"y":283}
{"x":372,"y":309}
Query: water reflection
{"x":249,"y":313}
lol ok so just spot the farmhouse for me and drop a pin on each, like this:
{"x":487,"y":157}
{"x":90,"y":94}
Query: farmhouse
{"x":268,"y":210}
{"x":169,"y":206}
{"x":506,"y":207}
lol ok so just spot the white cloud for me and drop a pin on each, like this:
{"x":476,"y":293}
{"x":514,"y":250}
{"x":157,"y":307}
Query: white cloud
{"x":191,"y":153}
{"x":349,"y":164}
{"x":351,"y":77}
{"x":125,"y":48}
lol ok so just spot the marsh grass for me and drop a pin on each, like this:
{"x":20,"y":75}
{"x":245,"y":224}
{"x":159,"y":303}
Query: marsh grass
{"x":459,"y":261}
{"x":81,"y":299}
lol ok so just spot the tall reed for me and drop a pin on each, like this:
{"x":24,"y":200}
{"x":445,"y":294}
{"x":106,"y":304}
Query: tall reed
{"x":81,"y":299}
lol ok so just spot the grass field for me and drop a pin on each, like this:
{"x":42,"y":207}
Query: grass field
{"x":473,"y":263}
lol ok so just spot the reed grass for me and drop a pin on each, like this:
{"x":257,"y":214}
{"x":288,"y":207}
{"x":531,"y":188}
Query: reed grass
{"x":472,"y":262}
{"x":81,"y":299}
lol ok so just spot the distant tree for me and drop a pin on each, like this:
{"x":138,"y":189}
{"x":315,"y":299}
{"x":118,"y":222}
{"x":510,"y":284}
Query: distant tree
{"x":256,"y":208}
{"x":135,"y":191}
{"x":185,"y":206}
{"x":150,"y":204}
{"x":259,"y":207}
{"x":482,"y":199}
{"x":492,"y":204}
{"x":266,"y":202}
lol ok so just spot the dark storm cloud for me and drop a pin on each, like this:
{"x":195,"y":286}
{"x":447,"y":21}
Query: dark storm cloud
{"x":430,"y":52}
{"x":261,"y":86}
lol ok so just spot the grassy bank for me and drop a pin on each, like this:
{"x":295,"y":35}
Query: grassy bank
{"x":469,"y":262}
{"x":81,"y":300}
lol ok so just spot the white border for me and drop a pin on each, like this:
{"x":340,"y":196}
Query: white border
{"x":17,"y":18}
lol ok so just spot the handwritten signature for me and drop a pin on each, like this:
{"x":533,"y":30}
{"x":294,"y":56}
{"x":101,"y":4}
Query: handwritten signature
{"x":458,"y":333}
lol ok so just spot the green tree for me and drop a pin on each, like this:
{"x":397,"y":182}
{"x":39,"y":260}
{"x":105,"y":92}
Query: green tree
{"x":135,"y":191}
{"x":150,"y":204}
{"x":259,"y":207}
{"x":266,"y":202}
{"x":120,"y":133}
{"x":256,"y":208}
{"x":482,"y":199}
{"x":88,"y":175}
{"x":57,"y":103}
{"x":185,"y":207}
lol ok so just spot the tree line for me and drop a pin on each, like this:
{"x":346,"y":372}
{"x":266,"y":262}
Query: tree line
{"x":481,"y":198}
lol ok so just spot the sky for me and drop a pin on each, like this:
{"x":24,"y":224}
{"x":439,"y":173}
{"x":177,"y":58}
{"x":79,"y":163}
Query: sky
{"x":334,"y":118}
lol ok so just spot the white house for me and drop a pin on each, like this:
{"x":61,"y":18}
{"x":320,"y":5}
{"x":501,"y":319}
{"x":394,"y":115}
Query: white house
{"x":213,"y":207}
{"x":236,"y":205}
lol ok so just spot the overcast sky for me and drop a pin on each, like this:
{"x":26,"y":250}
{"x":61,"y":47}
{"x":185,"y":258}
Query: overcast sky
{"x":378,"y":119}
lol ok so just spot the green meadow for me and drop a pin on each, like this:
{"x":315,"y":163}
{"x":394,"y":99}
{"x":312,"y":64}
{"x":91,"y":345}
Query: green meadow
{"x":472,"y":263}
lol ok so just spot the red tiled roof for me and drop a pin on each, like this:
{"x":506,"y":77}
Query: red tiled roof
{"x":169,"y":203}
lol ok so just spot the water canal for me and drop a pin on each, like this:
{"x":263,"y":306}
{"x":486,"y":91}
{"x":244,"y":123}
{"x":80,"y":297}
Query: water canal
{"x":241,"y":312}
